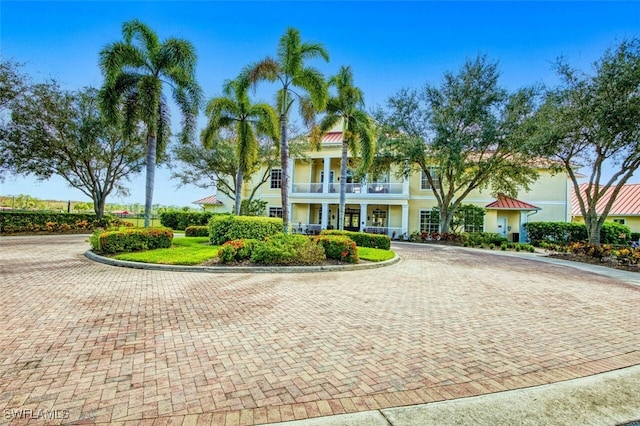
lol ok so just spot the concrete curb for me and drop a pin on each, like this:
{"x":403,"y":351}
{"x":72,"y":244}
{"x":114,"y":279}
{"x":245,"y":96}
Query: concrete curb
{"x":239,"y":269}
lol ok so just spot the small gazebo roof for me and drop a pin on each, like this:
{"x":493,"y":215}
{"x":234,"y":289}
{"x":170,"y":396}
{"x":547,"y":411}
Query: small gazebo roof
{"x":505,"y":202}
{"x":209,"y":200}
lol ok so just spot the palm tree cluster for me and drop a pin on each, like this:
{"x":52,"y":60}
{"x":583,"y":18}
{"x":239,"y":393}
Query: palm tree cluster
{"x":138,"y":69}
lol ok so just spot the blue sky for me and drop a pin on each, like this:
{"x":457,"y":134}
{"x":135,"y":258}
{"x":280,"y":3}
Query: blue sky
{"x":389,"y":45}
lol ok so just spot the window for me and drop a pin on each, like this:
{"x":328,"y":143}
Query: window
{"x":429,"y":220}
{"x":473,"y":221}
{"x":276,"y":179}
{"x":331,"y":175}
{"x":621,"y":221}
{"x":424,"y":181}
{"x":275,"y":212}
{"x":379,"y":218}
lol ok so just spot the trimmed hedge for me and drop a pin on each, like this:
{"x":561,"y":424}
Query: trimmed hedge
{"x":339,"y":247}
{"x":223,"y":228}
{"x":182,"y":220}
{"x":131,"y":240}
{"x":20,"y":222}
{"x":196,"y":231}
{"x":565,"y":233}
{"x":363,"y":239}
{"x":284,"y":249}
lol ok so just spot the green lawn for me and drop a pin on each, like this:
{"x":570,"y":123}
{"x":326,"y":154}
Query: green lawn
{"x":196,"y":250}
{"x":184,"y":251}
{"x":375,"y":255}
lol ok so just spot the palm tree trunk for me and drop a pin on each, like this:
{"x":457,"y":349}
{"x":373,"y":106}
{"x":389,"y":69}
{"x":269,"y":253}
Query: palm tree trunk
{"x":343,"y":185}
{"x":150,"y":179}
{"x":284,"y":160}
{"x":239,"y":178}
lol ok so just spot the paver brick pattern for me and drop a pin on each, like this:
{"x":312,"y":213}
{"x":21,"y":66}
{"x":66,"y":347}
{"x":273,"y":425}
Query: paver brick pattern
{"x":118,"y":345}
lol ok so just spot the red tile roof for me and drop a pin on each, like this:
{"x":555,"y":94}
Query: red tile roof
{"x":209,"y":200}
{"x":332,"y":137}
{"x":507,"y":203}
{"x":627,"y":202}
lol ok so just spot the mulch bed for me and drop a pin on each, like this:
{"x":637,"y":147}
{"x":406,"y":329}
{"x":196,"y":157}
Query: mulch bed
{"x":609,"y":263}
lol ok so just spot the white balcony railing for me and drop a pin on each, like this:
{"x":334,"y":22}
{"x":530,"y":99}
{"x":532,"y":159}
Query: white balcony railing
{"x":351,"y":188}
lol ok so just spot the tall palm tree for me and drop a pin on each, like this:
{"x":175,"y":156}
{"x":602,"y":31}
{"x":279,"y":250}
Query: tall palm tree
{"x":298,"y":82}
{"x":357,"y":129}
{"x":136,"y":71}
{"x":235,"y":110}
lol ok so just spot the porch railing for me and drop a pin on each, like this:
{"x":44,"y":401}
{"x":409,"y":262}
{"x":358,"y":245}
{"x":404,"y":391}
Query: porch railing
{"x":351,"y":188}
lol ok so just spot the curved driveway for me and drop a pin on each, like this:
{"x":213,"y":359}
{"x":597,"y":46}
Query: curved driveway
{"x":109,"y":344}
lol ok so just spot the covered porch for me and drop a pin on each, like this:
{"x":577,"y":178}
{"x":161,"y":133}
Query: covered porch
{"x":388,"y":219}
{"x":507,"y":216}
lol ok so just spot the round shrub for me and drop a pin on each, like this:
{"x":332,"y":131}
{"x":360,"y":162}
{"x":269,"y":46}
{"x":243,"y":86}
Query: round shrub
{"x":196,"y":231}
{"x":339,"y":247}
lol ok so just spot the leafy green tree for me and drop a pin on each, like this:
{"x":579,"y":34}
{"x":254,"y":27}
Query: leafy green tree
{"x":216,"y":166}
{"x":592,"y":122}
{"x":235,"y":111}
{"x":346,"y":107}
{"x":466,"y":134}
{"x":136,"y":71}
{"x":13,"y":84}
{"x":54,"y":132}
{"x":298,"y":82}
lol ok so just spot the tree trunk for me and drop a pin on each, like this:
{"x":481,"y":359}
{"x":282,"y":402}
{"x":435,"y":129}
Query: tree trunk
{"x":239,"y":178}
{"x":150,"y":180}
{"x":99,"y":201}
{"x":446,"y":216}
{"x":284,"y":164}
{"x":593,"y":228}
{"x":343,"y":185}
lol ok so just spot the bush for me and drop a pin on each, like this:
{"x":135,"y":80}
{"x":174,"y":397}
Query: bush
{"x":440,"y":236}
{"x":475,"y":239}
{"x":566,"y":233}
{"x":288,"y":250}
{"x":236,"y":250}
{"x":131,"y":240}
{"x":179,"y":220}
{"x":24,"y":222}
{"x":339,"y":247}
{"x":196,"y":231}
{"x":615,"y":233}
{"x":635,"y":236}
{"x":364,"y":239}
{"x":223,"y":228}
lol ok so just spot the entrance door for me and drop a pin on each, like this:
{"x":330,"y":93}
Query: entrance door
{"x":351,"y":220}
{"x":502,"y":226}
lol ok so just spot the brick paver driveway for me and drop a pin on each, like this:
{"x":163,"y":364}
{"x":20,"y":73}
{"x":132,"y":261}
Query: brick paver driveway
{"x":107,"y":344}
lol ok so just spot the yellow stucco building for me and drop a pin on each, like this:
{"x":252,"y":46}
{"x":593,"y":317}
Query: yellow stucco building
{"x":395,"y":206}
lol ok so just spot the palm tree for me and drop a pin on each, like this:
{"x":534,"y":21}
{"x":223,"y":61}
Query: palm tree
{"x":136,"y":71}
{"x":357,"y":128}
{"x":298,"y":82}
{"x":235,"y":110}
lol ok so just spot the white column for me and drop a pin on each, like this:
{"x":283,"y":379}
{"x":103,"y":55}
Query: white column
{"x":292,"y":224}
{"x":363,"y":216}
{"x":326,"y":172}
{"x":405,"y":186}
{"x":291,"y":163}
{"x":325,"y":216}
{"x":405,"y":219}
{"x":523,"y":219}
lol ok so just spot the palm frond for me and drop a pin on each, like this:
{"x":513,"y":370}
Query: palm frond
{"x":137,"y":30}
{"x":312,"y":80}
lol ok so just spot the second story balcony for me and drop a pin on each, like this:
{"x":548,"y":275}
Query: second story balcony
{"x":373,"y":189}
